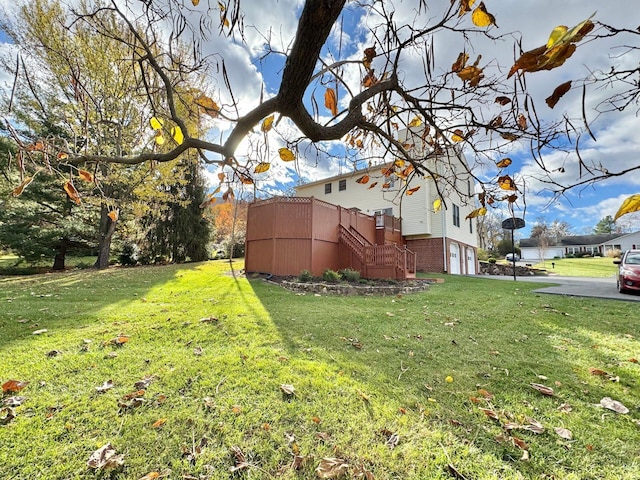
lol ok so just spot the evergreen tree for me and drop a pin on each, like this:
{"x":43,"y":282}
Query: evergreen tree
{"x":178,"y":231}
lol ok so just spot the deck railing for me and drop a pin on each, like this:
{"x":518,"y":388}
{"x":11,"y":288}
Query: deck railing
{"x":402,"y":260}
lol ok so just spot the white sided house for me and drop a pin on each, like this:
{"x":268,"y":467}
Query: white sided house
{"x":599,"y":244}
{"x":443,"y":240}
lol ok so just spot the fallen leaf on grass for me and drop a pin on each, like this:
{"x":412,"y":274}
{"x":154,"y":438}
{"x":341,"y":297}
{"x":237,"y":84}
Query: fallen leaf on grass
{"x":15,"y":401}
{"x":565,"y":408}
{"x":239,"y":458}
{"x":361,"y":472}
{"x":616,"y":406}
{"x":105,"y":457}
{"x":105,"y":386}
{"x":490,"y":413}
{"x":118,"y":341}
{"x":159,"y":423}
{"x":13,"y":386}
{"x":543,"y":389}
{"x":138,"y":393}
{"x":332,"y":468}
{"x":144,"y":383}
{"x":287,"y":389}
{"x":6,"y":415}
{"x":299,"y":461}
{"x":150,"y":476}
{"x":363,"y":395}
{"x":564,"y":433}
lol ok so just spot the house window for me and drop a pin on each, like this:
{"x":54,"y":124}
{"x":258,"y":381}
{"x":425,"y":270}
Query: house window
{"x":342,"y":185}
{"x":456,"y":215}
{"x":327,"y":188}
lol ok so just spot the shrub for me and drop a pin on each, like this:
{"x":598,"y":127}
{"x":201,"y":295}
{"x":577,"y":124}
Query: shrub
{"x":305,"y":276}
{"x":330,"y":276}
{"x":491,"y":260}
{"x":483,"y":255}
{"x":351,"y":276}
{"x":129,"y":254}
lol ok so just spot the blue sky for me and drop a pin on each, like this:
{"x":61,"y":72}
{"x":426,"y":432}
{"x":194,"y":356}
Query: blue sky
{"x":617,"y":140}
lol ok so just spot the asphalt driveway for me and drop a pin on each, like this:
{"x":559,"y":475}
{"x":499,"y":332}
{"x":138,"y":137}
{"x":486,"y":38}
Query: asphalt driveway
{"x":574,"y":286}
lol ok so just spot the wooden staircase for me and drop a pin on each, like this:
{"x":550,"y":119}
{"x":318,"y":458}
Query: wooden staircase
{"x":379,"y":261}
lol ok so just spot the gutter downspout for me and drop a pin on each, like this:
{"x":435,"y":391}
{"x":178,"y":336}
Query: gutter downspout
{"x":444,"y":240}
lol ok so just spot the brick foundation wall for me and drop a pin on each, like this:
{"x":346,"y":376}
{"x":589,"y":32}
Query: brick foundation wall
{"x":429,"y":255}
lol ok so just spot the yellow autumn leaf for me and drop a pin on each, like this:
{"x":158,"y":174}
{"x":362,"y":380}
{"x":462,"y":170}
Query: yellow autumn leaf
{"x":482,"y":18}
{"x":262,"y":167}
{"x":504,"y":163}
{"x":630,"y":205}
{"x":505,"y":182}
{"x":208,"y":106}
{"x":437,"y":204}
{"x":178,"y":136}
{"x":478,"y":212}
{"x":458,"y":136}
{"x":415,"y":122}
{"x":331,"y":101}
{"x":156,"y":123}
{"x":556,"y":34}
{"x":286,"y":155}
{"x":267,"y":123}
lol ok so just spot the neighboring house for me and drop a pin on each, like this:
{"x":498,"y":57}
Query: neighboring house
{"x":444,"y":240}
{"x":532,"y":249}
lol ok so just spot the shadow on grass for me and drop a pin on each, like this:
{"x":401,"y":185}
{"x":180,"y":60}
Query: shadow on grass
{"x":66,"y":300}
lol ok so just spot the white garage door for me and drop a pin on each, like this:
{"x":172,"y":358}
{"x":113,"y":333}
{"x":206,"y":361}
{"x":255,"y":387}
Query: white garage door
{"x":454,"y":259}
{"x":471,"y":261}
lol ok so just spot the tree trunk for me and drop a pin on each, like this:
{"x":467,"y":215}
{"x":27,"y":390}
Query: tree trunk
{"x":107,"y":228}
{"x":58,"y":261}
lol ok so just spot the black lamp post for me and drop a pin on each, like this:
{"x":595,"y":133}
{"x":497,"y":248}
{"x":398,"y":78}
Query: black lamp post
{"x":513,"y":223}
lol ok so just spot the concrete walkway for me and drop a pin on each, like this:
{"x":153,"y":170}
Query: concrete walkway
{"x":574,"y":286}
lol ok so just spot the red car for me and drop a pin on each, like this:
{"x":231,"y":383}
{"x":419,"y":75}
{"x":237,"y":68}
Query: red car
{"x":629,"y":271}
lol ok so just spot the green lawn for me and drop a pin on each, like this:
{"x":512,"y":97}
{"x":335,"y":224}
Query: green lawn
{"x":435,"y":385}
{"x":580,"y":267}
{"x":11,"y":264}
